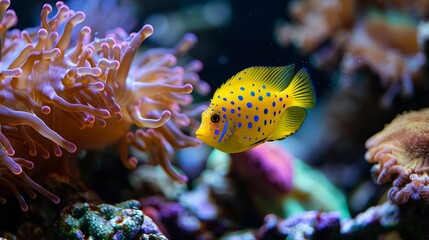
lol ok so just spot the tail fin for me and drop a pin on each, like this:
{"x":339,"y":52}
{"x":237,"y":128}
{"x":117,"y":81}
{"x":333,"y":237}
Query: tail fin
{"x":301,"y":90}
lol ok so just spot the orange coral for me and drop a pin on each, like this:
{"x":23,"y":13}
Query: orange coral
{"x":87,"y":93}
{"x":315,"y":21}
{"x":384,"y":40}
{"x":401,"y":153}
{"x":389,"y":49}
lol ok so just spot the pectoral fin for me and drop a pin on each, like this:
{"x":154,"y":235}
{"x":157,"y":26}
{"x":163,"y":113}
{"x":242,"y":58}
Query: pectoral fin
{"x":291,"y":121}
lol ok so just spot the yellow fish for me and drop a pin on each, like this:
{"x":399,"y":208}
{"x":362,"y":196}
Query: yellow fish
{"x":256,"y":105}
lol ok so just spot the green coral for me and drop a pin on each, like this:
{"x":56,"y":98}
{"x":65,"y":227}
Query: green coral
{"x":313,"y":191}
{"x":119,"y":222}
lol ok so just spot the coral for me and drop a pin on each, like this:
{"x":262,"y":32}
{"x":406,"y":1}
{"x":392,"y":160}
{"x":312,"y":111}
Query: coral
{"x":78,"y":94}
{"x":381,"y":218}
{"x":70,"y":191}
{"x":384,"y":221}
{"x":307,"y":225}
{"x":315,"y":21}
{"x":172,"y":218}
{"x":154,"y":181}
{"x":400,"y":153}
{"x":120,"y":221}
{"x":312,"y":190}
{"x":278,"y":183}
{"x":382,"y":37}
{"x":376,"y":222}
{"x":396,"y":60}
{"x":248,"y":185}
{"x":266,"y":166}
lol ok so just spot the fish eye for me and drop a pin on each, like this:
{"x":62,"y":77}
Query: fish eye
{"x":215,"y":118}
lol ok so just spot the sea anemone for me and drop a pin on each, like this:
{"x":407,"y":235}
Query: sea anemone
{"x":79,"y":94}
{"x":400,"y":153}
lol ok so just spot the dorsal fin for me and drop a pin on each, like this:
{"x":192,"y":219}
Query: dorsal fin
{"x":290,"y":122}
{"x":275,"y":77}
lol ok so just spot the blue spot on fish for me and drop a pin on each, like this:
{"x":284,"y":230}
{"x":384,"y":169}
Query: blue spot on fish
{"x":216,"y":132}
{"x":232,"y":102}
{"x":274,"y":104}
{"x":280,"y":99}
{"x":263,"y":86}
{"x":225,"y":127}
{"x":256,"y":118}
{"x":249,"y":104}
{"x":239,"y":124}
{"x":224,"y":99}
{"x":242,"y":88}
{"x":252,"y":93}
{"x":249,"y":125}
{"x":240,"y":97}
{"x":265,"y":111}
{"x":224,"y":109}
{"x":260,"y":98}
{"x":259,"y":129}
{"x":232,"y":111}
{"x":268,"y":94}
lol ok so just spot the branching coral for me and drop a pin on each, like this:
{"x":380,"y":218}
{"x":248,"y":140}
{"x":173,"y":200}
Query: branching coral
{"x":401,"y":154}
{"x":87,"y":93}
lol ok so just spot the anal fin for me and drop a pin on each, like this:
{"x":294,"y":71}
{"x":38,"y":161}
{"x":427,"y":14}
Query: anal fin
{"x":290,"y":122}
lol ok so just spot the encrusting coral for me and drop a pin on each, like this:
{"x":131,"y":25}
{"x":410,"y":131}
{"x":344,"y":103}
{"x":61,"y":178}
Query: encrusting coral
{"x":120,"y":221}
{"x":400,"y":153}
{"x":77,"y":94}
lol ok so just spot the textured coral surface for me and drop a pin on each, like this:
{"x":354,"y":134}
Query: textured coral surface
{"x":400,"y":153}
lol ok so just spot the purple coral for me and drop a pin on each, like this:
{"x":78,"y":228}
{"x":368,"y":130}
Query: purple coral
{"x":308,"y":225}
{"x":266,"y":166}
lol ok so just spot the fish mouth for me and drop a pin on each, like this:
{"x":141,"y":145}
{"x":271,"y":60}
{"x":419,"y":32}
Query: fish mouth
{"x":198,"y":136}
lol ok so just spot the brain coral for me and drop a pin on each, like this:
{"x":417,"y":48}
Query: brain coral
{"x":62,"y":93}
{"x":400,"y":153}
